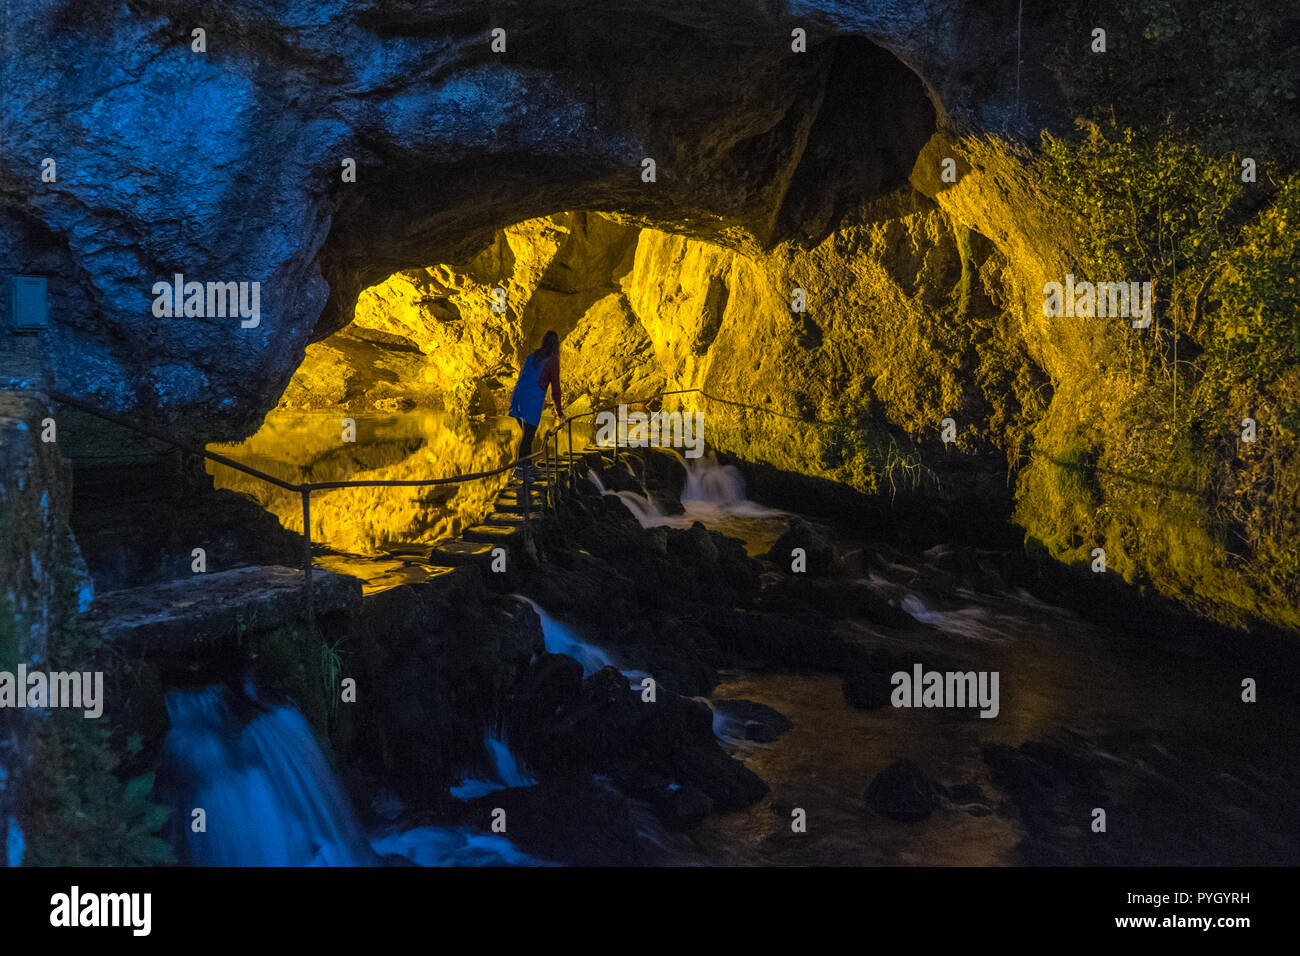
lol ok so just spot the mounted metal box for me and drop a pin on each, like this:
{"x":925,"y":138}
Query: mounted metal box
{"x":28,"y":305}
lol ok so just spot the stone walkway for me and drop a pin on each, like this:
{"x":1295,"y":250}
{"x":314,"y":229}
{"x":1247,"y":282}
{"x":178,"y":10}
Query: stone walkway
{"x":190,"y":614}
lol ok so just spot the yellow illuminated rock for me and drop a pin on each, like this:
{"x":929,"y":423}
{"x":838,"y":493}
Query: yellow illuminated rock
{"x":921,"y":306}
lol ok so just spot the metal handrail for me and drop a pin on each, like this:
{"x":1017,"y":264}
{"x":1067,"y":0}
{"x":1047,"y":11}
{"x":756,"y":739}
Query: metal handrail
{"x":304,"y":489}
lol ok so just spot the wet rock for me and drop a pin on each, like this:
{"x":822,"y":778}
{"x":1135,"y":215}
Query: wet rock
{"x":902,"y":791}
{"x":749,"y":720}
{"x":551,"y":685}
{"x":573,"y":819}
{"x":695,"y":545}
{"x":867,"y":689}
{"x":969,"y":798}
{"x":678,"y":806}
{"x":441,"y":659}
{"x":643,"y":746}
{"x":682,"y":663}
{"x":816,"y":599}
{"x":819,"y":554}
{"x":774,"y":640}
{"x":193,"y":615}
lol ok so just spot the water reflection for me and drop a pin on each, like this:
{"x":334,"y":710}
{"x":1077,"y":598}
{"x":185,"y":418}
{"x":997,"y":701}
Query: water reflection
{"x":303,"y":446}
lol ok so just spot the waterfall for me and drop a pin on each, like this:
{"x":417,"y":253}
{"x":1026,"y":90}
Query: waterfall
{"x":505,"y":768}
{"x":714,"y":495}
{"x":560,"y":639}
{"x":647,"y":513}
{"x":267,"y":793}
{"x":269,"y":797}
{"x":710,"y":483}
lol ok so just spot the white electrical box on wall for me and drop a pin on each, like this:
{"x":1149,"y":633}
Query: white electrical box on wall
{"x":29,"y":307}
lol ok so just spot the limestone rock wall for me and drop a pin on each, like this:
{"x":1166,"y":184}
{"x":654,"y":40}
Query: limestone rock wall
{"x":43,"y":586}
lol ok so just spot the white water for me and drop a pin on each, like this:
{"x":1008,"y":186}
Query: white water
{"x":713,"y":495}
{"x":454,"y":846}
{"x":726,"y":728}
{"x":271,"y":799}
{"x":505,"y":767}
{"x":708,"y":482}
{"x":969,"y":622}
{"x":561,"y":639}
{"x":268,"y":795}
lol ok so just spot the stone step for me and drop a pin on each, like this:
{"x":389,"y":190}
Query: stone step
{"x":406,"y":549}
{"x":517,"y":507}
{"x":506,"y":519}
{"x":510,"y":495}
{"x":517,"y":486}
{"x":410,"y":573}
{"x":493,"y":533}
{"x":189,"y":615}
{"x":454,"y":552}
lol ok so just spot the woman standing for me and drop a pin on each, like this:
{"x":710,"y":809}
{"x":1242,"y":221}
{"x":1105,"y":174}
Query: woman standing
{"x":541,"y":370}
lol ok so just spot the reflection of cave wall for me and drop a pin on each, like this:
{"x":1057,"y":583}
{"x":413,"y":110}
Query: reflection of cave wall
{"x":306,"y":446}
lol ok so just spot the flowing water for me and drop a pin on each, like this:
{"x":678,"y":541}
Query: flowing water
{"x":269,"y":798}
{"x":1189,"y":774}
{"x":714,"y":495}
{"x":506,"y":772}
{"x":560,"y":638}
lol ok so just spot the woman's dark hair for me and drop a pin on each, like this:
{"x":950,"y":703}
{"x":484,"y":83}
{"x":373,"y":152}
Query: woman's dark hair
{"x":550,"y":344}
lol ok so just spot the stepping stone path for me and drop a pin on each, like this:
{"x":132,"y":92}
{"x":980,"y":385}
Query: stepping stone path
{"x":503,"y":527}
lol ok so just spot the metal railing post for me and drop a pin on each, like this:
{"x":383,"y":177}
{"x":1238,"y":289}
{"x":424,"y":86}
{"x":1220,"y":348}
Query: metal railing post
{"x":569,"y":479}
{"x":306,"y":568}
{"x":527,"y":489}
{"x":553,"y":484}
{"x":550,"y":474}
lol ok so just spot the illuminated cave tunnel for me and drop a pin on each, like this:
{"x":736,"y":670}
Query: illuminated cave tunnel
{"x":642,"y":304}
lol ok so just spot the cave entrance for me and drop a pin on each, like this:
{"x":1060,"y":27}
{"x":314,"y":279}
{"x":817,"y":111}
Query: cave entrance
{"x":416,"y":383}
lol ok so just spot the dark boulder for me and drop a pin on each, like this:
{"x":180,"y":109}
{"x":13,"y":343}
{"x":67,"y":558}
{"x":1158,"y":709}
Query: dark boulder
{"x":749,"y":720}
{"x":902,"y":791}
{"x":867,"y":689}
{"x":817,"y":550}
{"x":679,"y":806}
